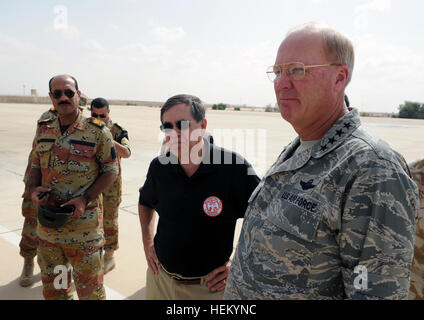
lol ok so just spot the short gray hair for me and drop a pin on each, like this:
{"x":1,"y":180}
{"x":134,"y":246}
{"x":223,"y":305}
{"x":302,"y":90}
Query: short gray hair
{"x":338,"y":48}
{"x":196,"y":106}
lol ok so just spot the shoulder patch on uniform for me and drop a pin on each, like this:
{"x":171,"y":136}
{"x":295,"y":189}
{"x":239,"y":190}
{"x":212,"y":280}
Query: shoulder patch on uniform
{"x":47,"y":116}
{"x":118,"y":126}
{"x":124,"y":133}
{"x":42,"y":121}
{"x":96,"y":122}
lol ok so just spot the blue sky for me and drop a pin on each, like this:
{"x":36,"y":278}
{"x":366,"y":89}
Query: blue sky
{"x":217,"y":50}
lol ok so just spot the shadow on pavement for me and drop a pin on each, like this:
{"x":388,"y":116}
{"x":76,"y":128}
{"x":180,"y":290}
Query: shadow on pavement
{"x":13,"y":291}
{"x":138,"y":295}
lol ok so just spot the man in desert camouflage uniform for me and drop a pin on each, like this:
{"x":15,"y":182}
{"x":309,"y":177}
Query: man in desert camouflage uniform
{"x":112,"y":195}
{"x":337,"y":203}
{"x":75,"y":160}
{"x":28,"y":244}
{"x":416,"y":291}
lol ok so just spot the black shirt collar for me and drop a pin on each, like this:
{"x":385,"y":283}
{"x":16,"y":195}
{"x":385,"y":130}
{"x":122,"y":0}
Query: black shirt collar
{"x":206,"y":166}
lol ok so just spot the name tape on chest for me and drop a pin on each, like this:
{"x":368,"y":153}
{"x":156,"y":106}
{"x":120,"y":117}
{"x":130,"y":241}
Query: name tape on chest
{"x":300,"y":202}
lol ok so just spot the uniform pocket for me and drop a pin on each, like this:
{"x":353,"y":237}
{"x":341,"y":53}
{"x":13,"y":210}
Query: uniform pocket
{"x":81,"y":155}
{"x":82,"y":148}
{"x":43,"y":148}
{"x":296,"y":213}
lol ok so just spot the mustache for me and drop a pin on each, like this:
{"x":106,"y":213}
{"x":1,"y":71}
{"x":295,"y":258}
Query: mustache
{"x":64,"y":102}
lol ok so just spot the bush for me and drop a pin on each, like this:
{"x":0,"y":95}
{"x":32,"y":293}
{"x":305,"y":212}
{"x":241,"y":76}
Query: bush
{"x":219,"y":106}
{"x":412,"y":110}
{"x":236,"y":109}
{"x":270,"y":108}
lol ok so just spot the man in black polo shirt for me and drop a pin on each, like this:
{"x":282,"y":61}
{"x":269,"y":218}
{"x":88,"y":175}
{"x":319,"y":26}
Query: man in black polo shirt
{"x":199,"y":191}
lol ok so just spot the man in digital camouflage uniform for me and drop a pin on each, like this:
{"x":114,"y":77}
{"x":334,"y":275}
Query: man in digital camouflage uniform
{"x":75,"y":160}
{"x":338,"y":204}
{"x":416,"y":291}
{"x":28,"y":244}
{"x":112,"y":195}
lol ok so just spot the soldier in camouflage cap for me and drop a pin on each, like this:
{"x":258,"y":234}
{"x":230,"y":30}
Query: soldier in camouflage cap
{"x":112,"y":195}
{"x":338,"y":204}
{"x":416,"y":291}
{"x":28,"y":244}
{"x":74,"y":160}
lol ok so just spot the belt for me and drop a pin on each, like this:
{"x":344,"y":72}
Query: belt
{"x":182,"y":280}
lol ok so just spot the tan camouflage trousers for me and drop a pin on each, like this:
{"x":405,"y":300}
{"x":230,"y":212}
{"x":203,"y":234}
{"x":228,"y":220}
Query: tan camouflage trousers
{"x":110,"y":222}
{"x":416,"y":291}
{"x":87,"y":264}
{"x":28,"y":244}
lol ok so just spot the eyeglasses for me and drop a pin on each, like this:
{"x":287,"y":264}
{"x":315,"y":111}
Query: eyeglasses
{"x":294,"y":70}
{"x":58,"y":93}
{"x":95,"y":115}
{"x":180,"y":124}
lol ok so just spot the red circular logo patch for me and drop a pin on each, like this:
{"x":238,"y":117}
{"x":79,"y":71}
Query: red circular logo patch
{"x":212,"y":206}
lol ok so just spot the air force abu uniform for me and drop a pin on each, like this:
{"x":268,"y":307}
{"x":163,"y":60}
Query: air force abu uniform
{"x":347,"y":204}
{"x":28,"y":244}
{"x":70,"y":163}
{"x":416,"y":290}
{"x":112,"y":195}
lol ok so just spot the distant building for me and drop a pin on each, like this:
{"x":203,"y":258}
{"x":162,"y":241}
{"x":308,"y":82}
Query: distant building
{"x":376,"y":114}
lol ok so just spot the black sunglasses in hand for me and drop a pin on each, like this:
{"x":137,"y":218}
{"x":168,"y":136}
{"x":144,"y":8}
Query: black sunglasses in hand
{"x":180,"y":124}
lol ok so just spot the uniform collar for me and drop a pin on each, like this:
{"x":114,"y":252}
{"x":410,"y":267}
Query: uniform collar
{"x":337,"y":135}
{"x":109,"y":124}
{"x":78,"y":124}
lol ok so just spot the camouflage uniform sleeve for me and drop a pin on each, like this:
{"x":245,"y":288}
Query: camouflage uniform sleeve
{"x":106,"y":153}
{"x":35,"y":163}
{"x":377,"y":232}
{"x":126,"y":143}
{"x":123,"y":137}
{"x":29,"y":164}
{"x":50,"y":114}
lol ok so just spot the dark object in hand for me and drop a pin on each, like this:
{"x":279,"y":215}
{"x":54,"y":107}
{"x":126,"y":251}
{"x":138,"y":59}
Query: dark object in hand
{"x":42,"y":194}
{"x":54,"y":217}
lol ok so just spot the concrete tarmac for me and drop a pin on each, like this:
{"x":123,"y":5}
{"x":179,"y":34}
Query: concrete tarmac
{"x":267,"y":132}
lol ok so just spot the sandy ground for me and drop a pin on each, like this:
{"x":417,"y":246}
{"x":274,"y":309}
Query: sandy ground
{"x":267,"y":130}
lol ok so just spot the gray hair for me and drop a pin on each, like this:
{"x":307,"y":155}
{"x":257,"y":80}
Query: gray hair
{"x":196,"y":106}
{"x":338,"y":48}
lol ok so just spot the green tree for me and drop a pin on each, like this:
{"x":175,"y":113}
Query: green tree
{"x":219,"y":106}
{"x":412,"y":110}
{"x":270,"y":108}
